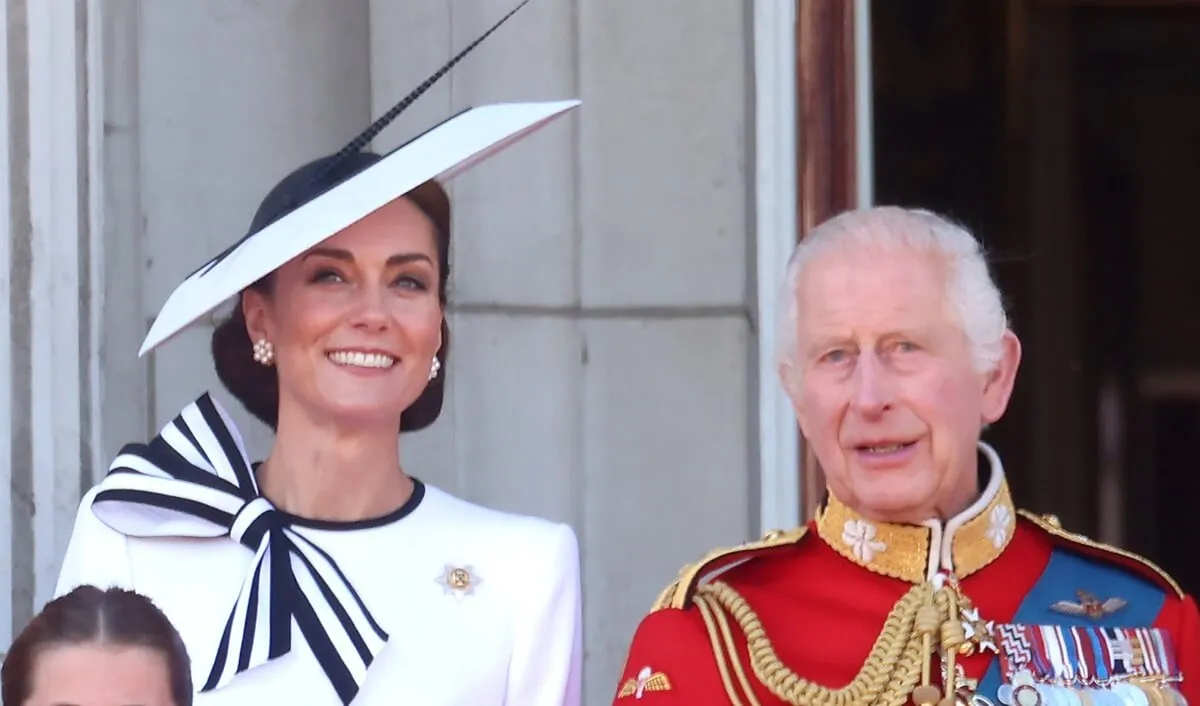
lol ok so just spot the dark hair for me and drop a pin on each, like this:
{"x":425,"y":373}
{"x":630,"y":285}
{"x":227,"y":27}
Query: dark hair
{"x":257,"y":386}
{"x":91,"y":615}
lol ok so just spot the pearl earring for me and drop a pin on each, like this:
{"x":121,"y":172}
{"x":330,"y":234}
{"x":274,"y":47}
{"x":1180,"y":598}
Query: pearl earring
{"x":264,"y":352}
{"x":434,"y":368}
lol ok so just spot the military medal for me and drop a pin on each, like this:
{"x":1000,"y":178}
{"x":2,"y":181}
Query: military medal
{"x":1021,"y":690}
{"x":980,"y":633}
{"x":1052,"y":665}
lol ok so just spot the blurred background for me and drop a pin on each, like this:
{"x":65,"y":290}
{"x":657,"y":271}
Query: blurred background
{"x":1064,"y":134}
{"x":614,"y":282}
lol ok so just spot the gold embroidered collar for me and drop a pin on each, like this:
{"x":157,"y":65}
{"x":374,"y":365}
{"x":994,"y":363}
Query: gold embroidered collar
{"x":961,"y":545}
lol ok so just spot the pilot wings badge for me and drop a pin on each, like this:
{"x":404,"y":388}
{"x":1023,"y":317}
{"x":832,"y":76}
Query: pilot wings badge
{"x":1089,"y":606}
{"x":647,"y":680}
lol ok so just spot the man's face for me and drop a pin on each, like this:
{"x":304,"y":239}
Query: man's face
{"x":884,"y":386}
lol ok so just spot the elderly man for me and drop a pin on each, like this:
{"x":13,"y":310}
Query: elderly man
{"x":919,"y":581}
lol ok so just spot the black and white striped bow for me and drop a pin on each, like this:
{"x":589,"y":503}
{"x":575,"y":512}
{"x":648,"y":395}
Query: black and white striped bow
{"x":195,"y":480}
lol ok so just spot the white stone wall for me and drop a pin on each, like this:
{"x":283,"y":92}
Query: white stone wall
{"x":49,"y":365}
{"x":603,"y":369}
{"x":604,"y":365}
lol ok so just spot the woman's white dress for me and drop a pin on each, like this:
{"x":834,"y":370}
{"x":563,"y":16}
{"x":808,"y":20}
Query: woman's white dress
{"x":440,"y":602}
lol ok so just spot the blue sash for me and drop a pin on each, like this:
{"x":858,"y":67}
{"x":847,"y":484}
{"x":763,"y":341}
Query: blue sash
{"x":1065,"y":574}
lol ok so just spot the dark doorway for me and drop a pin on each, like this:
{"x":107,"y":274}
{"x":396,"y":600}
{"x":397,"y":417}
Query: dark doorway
{"x":1065,"y":135}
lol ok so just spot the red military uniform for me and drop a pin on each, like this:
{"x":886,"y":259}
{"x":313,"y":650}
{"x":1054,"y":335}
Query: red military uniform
{"x":837,"y":605}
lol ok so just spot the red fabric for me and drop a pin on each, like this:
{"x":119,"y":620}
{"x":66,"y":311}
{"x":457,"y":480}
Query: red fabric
{"x":822,"y":614}
{"x":1179,"y":617}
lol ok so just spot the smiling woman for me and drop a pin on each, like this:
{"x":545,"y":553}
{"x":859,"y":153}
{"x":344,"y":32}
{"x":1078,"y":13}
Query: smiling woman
{"x":336,"y":345}
{"x":327,"y":574}
{"x":402,"y":250}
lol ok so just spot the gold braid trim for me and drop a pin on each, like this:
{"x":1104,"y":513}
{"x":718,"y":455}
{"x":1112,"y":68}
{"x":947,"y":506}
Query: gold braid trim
{"x":725,"y":652}
{"x":897,"y":662}
{"x":664,"y":599}
{"x":1051,"y":525}
{"x":679,"y":594}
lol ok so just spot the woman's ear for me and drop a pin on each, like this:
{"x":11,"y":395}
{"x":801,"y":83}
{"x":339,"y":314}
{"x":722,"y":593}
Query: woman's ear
{"x":255,"y":309}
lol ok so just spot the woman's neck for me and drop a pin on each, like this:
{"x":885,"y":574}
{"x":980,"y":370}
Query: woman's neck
{"x":321,"y":471}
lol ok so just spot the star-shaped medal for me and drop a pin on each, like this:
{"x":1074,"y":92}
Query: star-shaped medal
{"x":459,"y":581}
{"x":980,"y":633}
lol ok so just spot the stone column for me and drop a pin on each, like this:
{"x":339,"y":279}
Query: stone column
{"x":228,"y":97}
{"x":48,"y":359}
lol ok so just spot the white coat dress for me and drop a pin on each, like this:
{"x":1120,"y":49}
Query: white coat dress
{"x":439,"y":603}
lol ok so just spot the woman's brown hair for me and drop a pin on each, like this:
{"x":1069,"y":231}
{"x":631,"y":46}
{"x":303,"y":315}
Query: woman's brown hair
{"x":256,"y":386}
{"x":87,"y":615}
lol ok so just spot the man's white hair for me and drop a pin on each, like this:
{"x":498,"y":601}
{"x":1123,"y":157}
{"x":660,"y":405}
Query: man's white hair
{"x":972,"y":296}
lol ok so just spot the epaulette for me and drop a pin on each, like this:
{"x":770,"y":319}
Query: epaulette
{"x":679,"y":593}
{"x":1137,"y":564}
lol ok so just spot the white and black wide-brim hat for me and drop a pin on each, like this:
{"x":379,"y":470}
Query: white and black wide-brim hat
{"x":325,"y":196}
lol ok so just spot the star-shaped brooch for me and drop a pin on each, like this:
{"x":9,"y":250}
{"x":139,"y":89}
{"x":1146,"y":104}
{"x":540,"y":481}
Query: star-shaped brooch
{"x":459,"y":581}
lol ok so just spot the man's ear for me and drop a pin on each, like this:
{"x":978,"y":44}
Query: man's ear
{"x":789,"y":377}
{"x":998,"y":386}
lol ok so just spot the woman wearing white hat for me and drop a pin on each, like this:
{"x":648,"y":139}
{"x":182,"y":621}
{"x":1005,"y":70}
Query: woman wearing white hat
{"x":327,"y":575}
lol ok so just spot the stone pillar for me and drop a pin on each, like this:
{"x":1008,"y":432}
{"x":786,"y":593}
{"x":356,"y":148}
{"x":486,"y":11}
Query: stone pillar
{"x":603,"y":369}
{"x":48,"y":359}
{"x":226,"y":98}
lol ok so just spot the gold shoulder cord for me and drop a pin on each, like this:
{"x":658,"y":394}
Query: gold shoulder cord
{"x":898,"y":667}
